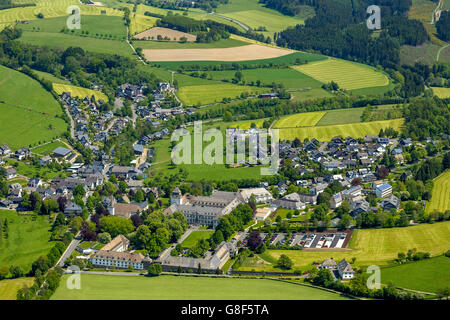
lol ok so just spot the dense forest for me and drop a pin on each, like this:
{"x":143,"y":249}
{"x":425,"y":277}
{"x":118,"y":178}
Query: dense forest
{"x":339,"y":29}
{"x":443,"y":26}
{"x":207,"y":5}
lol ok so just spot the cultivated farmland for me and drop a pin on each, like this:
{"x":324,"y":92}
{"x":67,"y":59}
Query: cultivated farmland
{"x":440,"y":199}
{"x":243,"y":53}
{"x":79,"y":91}
{"x":441,"y":93}
{"x":348,"y":75}
{"x":325,"y":133}
{"x":27,"y":119}
{"x":307,"y":119}
{"x":173,"y":35}
{"x":104,"y":287}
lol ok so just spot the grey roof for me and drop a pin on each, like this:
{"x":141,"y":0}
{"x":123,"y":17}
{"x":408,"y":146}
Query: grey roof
{"x":61,"y":151}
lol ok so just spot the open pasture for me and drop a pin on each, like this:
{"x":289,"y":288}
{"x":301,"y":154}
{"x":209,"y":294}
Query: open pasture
{"x":79,"y":91}
{"x":289,"y":78}
{"x":427,"y":275}
{"x":373,"y":246}
{"x":441,"y":93}
{"x":27,"y":119}
{"x":348,"y":75}
{"x":110,"y":287}
{"x":222,"y":43}
{"x":213,"y":93}
{"x":307,"y":94}
{"x":28,"y":239}
{"x":440,"y":199}
{"x":51,"y":9}
{"x":9,"y":288}
{"x":325,"y":133}
{"x":243,"y":53}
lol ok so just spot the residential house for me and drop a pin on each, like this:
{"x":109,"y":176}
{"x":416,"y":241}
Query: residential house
{"x":384,"y":190}
{"x":291,"y":201}
{"x":390,"y":203}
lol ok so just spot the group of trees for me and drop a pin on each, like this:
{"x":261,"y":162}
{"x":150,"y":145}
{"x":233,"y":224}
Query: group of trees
{"x":443,"y":26}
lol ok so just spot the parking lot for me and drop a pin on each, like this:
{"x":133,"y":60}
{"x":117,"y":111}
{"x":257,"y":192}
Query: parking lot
{"x":318,"y":240}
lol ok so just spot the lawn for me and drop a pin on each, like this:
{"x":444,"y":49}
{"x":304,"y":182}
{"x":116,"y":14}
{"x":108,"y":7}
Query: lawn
{"x":341,"y":116}
{"x":307,"y":119}
{"x":79,"y":91}
{"x":441,"y":93}
{"x":101,"y":287}
{"x":214,"y":93}
{"x":440,"y":199}
{"x":48,"y":148}
{"x":27,"y":118}
{"x":27,"y":239}
{"x":325,"y":133}
{"x":194,"y":237}
{"x":426,"y":275}
{"x":289,"y":78}
{"x":9,"y":288}
{"x":348,"y":75}
{"x":31,"y":171}
{"x":375,"y":246}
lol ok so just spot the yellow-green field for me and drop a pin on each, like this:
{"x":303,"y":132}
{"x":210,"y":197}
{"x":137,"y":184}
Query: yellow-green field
{"x":49,"y":8}
{"x":248,"y":123}
{"x":375,"y":246}
{"x":207,"y":94}
{"x":78,"y":91}
{"x":440,"y":200}
{"x":325,"y":133}
{"x":348,"y":75}
{"x":441,"y":93}
{"x":307,"y":119}
{"x":9,"y":288}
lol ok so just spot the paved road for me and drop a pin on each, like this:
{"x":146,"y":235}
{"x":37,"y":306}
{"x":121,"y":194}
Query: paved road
{"x":72,"y":122}
{"x":244,"y":26}
{"x":70,"y":249}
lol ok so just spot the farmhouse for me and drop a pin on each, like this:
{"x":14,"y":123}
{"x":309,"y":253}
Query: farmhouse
{"x":341,"y":270}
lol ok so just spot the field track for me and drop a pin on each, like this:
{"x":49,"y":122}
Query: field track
{"x":243,"y":53}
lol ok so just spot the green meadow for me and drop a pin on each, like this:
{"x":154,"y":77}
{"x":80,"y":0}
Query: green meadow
{"x":195,"y":236}
{"x":9,"y":288}
{"x":28,"y":239}
{"x":27,"y":119}
{"x":440,"y":199}
{"x":109,"y":287}
{"x":222,"y":43}
{"x":427,"y":275}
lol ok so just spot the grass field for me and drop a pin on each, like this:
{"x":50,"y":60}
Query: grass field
{"x":308,"y":119}
{"x":325,"y":133}
{"x":375,"y":246}
{"x":254,"y":14}
{"x":223,"y":43}
{"x":50,"y":9}
{"x":248,"y":124}
{"x":9,"y":288}
{"x":426,"y":275}
{"x":27,"y":239}
{"x":194,"y":237}
{"x":289,"y":78}
{"x":50,"y":77}
{"x":441,"y":92}
{"x":348,"y":75}
{"x":27,"y":119}
{"x":201,"y":94}
{"x":313,"y":93}
{"x":100,"y":287}
{"x":97,"y":26}
{"x":79,"y":91}
{"x":341,"y":116}
{"x":31,"y":171}
{"x":62,"y":40}
{"x":425,"y":53}
{"x":48,"y":148}
{"x":441,"y":194}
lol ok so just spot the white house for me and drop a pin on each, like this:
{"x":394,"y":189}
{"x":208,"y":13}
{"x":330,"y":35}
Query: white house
{"x":384,"y":190}
{"x":345,"y":270}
